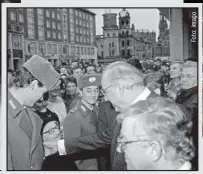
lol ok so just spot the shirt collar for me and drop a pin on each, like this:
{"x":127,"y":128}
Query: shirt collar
{"x":142,"y":96}
{"x":87,"y":105}
{"x":186,"y":166}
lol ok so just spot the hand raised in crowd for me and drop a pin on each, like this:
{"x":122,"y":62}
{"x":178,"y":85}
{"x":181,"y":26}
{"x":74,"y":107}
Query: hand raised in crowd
{"x":51,"y":147}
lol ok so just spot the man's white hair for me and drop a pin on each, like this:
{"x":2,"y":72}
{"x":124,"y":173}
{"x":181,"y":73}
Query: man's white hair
{"x":122,"y":71}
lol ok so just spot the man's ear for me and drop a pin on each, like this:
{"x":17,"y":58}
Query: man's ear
{"x":80,"y":92}
{"x":33,"y":86}
{"x":155,"y":151}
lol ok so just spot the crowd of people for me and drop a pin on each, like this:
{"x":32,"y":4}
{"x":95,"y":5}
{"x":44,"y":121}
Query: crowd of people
{"x":127,"y":115}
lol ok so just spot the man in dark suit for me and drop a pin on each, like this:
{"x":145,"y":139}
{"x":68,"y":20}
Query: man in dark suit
{"x":122,"y":84}
{"x":107,"y":114}
{"x":25,"y":148}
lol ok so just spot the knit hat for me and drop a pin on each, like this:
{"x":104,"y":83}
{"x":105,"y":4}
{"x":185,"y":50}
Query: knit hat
{"x":43,"y":71}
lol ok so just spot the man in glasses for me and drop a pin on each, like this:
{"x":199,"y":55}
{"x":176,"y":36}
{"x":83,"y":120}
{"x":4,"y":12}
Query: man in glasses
{"x":25,"y":148}
{"x":82,"y":119}
{"x":188,"y":96}
{"x":123,"y":86}
{"x":155,"y":135}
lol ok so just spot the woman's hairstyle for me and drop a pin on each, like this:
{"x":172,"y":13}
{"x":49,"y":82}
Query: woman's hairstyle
{"x":166,"y":122}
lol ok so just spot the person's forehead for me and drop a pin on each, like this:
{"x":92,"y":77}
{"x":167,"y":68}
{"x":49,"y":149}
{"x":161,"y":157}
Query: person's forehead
{"x":91,"y":87}
{"x":175,"y":65}
{"x":132,"y":128}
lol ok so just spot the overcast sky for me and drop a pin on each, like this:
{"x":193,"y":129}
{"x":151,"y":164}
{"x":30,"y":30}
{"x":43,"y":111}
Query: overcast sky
{"x":147,"y":18}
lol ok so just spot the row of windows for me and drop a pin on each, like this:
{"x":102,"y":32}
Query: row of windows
{"x":111,"y":34}
{"x":53,"y":14}
{"x":58,"y":49}
{"x":123,"y":43}
{"x":83,"y":23}
{"x":54,"y":35}
{"x":54,"y":25}
{"x":82,"y":14}
{"x":13,"y":16}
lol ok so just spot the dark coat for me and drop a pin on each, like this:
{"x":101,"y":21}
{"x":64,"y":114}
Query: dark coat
{"x":25,"y":149}
{"x":103,"y":139}
{"x":107,"y":114}
{"x":189,"y":99}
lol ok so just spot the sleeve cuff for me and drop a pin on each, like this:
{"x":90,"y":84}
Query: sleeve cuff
{"x":61,"y":147}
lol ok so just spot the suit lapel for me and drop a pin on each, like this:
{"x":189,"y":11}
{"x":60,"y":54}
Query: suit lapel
{"x":25,"y":125}
{"x":37,"y":125}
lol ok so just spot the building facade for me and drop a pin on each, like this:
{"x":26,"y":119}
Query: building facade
{"x":58,"y":34}
{"x":183,"y":40}
{"x":162,"y":48}
{"x":123,"y":41}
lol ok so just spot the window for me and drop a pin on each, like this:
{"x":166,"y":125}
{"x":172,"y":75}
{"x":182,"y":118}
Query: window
{"x":128,"y":52}
{"x":65,"y":38}
{"x":59,"y":35}
{"x":114,"y":34}
{"x":54,"y":35}
{"x":123,"y":43}
{"x":77,"y":38}
{"x":40,"y":11}
{"x":102,"y":54}
{"x":72,"y":29}
{"x":49,"y":48}
{"x":112,"y":53}
{"x":42,"y":48}
{"x":47,"y":13}
{"x":101,"y":46}
{"x":41,"y":33}
{"x":53,"y":25}
{"x":112,"y":44}
{"x":71,"y":20}
{"x":128,"y":42}
{"x":109,"y":45}
{"x":48,"y":34}
{"x":31,"y":33}
{"x":108,"y":34}
{"x":64,"y":49}
{"x":72,"y":38}
{"x":80,"y":14}
{"x":30,"y":10}
{"x":30,"y":20}
{"x":17,"y":41}
{"x":123,"y":52}
{"x":71,"y":11}
{"x":81,"y":22}
{"x":89,"y":51}
{"x":48,"y":23}
{"x":78,"y":50}
{"x":13,"y":16}
{"x":83,"y":15}
{"x":59,"y":26}
{"x":58,"y":16}
{"x":76,"y":21}
{"x":53,"y":14}
{"x":54,"y":49}
{"x":40,"y":22}
{"x":76,"y":12}
{"x":77,"y":30}
{"x":21,"y":17}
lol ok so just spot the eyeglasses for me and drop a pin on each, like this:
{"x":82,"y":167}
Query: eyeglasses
{"x":104,"y":91}
{"x":52,"y":130}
